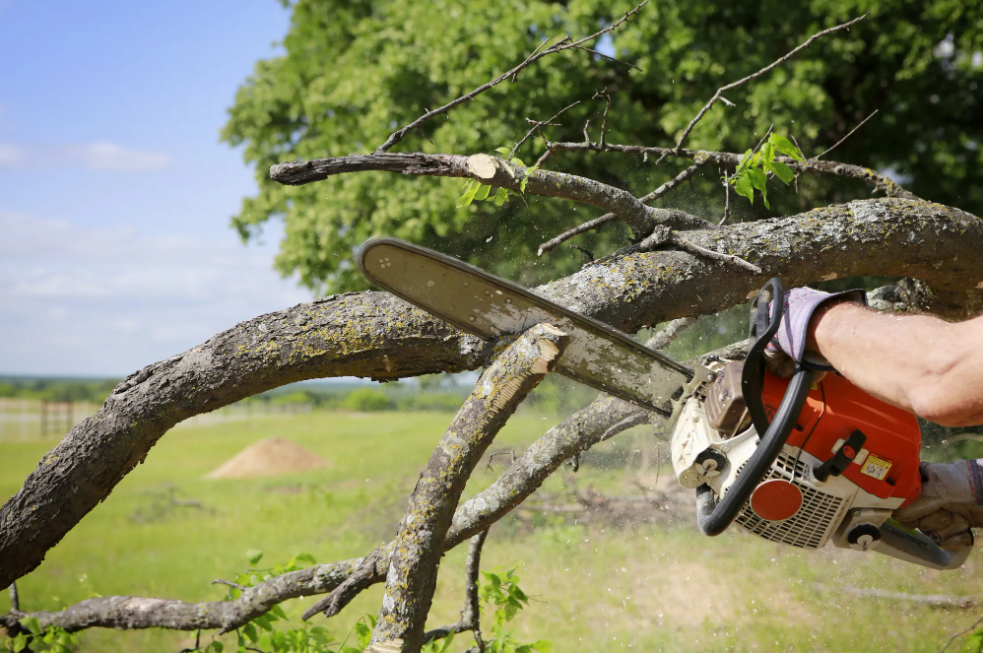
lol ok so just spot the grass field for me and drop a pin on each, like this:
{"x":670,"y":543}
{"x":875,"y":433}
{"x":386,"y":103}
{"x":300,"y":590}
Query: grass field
{"x":605,"y":586}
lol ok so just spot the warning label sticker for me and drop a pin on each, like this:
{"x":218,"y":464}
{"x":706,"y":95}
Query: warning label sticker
{"x":876,"y":467}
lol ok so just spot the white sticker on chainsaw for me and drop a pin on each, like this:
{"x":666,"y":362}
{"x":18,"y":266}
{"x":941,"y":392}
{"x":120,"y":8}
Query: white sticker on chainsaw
{"x":876,"y":467}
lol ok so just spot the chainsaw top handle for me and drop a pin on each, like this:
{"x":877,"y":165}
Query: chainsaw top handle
{"x":714,"y":517}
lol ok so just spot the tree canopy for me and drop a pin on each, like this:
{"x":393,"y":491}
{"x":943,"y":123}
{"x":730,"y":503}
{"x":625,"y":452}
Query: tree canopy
{"x":352,"y":72}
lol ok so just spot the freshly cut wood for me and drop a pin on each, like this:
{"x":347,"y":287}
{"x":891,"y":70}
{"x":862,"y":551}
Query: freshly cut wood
{"x":269,"y":457}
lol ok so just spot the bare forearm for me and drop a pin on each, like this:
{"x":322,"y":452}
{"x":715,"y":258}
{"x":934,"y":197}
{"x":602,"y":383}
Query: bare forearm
{"x":918,"y":363}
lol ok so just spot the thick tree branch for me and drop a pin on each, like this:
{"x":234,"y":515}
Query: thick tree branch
{"x":412,"y":574}
{"x":730,"y":160}
{"x":564,"y":44}
{"x":593,"y":424}
{"x":376,"y":335}
{"x":494,"y":172}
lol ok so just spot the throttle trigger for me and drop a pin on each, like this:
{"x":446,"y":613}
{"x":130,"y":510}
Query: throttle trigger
{"x":842,"y":458}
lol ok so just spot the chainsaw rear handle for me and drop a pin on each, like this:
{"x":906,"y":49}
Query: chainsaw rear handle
{"x":714,"y":517}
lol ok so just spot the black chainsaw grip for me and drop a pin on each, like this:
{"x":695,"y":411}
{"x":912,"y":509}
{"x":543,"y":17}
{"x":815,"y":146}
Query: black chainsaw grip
{"x":714,"y":517}
{"x":762,"y":329}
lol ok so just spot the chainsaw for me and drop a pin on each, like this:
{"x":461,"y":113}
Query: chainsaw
{"x":800,"y":461}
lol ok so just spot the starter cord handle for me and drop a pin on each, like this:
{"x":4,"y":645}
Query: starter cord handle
{"x":714,"y":517}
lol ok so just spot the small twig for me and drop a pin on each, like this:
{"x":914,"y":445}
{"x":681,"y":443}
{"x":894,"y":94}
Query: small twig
{"x":960,"y":634}
{"x":536,"y":125}
{"x":197,"y":644}
{"x":726,"y":200}
{"x":770,"y":127}
{"x":542,"y":159}
{"x":579,"y":229}
{"x":342,"y":595}
{"x":491,"y":456}
{"x":663,"y":338}
{"x":586,"y":133}
{"x":539,"y":53}
{"x":818,"y":156}
{"x":604,"y":120}
{"x":586,"y":252}
{"x":609,"y":58}
{"x":609,"y":217}
{"x":219,"y":581}
{"x":696,"y":250}
{"x":716,"y":96}
{"x":14,"y":598}
{"x":471,"y":614}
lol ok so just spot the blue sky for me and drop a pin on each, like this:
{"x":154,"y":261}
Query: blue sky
{"x":115,"y":193}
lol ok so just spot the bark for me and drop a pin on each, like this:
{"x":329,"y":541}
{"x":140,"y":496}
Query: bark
{"x":494,"y":172}
{"x":375,"y":335}
{"x":362,"y":334}
{"x":412,"y":575}
{"x":730,"y":160}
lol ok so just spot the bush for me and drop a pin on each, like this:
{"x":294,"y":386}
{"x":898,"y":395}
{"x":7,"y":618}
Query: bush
{"x":442,"y":401}
{"x":367,"y":400}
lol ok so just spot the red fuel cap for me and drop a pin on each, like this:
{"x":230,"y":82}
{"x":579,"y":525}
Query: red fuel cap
{"x":776,"y":500}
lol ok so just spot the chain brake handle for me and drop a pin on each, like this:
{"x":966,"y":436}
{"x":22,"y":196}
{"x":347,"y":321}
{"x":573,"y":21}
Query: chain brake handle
{"x":713,"y":516}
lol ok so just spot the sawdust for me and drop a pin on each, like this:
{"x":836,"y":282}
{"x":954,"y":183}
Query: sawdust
{"x":269,"y":457}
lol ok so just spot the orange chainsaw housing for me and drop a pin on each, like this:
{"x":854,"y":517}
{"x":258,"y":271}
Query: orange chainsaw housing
{"x":887,"y":466}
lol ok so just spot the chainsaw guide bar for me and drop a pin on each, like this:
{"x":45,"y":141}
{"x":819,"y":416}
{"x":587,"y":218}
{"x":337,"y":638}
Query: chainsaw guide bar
{"x":490,"y":308}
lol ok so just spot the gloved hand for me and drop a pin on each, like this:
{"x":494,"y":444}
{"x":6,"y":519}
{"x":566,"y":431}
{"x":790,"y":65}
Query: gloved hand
{"x":949,"y":504}
{"x":789,"y":344}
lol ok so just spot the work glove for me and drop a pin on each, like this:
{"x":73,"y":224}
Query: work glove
{"x":789,"y":344}
{"x":950,"y":504}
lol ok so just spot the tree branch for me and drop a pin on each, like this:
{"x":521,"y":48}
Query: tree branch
{"x":412,"y":572}
{"x":730,"y":160}
{"x":376,"y":335}
{"x":537,"y":54}
{"x":718,"y":95}
{"x":494,"y":172}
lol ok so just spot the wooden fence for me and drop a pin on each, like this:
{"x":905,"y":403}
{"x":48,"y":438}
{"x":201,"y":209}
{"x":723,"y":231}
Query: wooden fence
{"x":33,"y":419}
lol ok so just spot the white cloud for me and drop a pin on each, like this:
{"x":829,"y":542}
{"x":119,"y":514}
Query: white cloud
{"x":109,"y":300}
{"x":91,"y":156}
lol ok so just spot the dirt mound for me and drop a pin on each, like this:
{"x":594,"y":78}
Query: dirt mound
{"x":269,"y":457}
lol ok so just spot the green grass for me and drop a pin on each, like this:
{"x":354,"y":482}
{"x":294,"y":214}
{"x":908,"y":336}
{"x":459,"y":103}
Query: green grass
{"x":649,"y":587}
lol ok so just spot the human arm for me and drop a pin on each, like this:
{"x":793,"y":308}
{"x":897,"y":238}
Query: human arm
{"x":918,"y":363}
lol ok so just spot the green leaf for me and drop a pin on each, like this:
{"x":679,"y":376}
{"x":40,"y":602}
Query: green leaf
{"x":745,"y":161}
{"x":767,"y":153}
{"x":785,"y":146}
{"x":250,"y":631}
{"x":263,"y":622}
{"x":447,"y":643}
{"x":482,"y":193}
{"x":32,"y":624}
{"x":217,"y":647}
{"x":501,"y":197}
{"x":468,"y":196}
{"x":20,"y":642}
{"x":278,"y":612}
{"x":303,"y":558}
{"x":504,"y":151}
{"x":254,"y":555}
{"x":363,"y":634}
{"x":760,"y":181}
{"x":742,"y":184}
{"x":782,"y":171}
{"x":543,"y":646}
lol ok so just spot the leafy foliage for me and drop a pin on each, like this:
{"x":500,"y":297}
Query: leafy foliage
{"x":501,"y":589}
{"x":33,"y":638}
{"x":752,"y":172}
{"x":352,"y":73}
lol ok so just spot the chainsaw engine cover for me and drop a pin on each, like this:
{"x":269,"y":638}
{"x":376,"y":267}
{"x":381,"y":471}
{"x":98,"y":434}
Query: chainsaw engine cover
{"x":882,"y":476}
